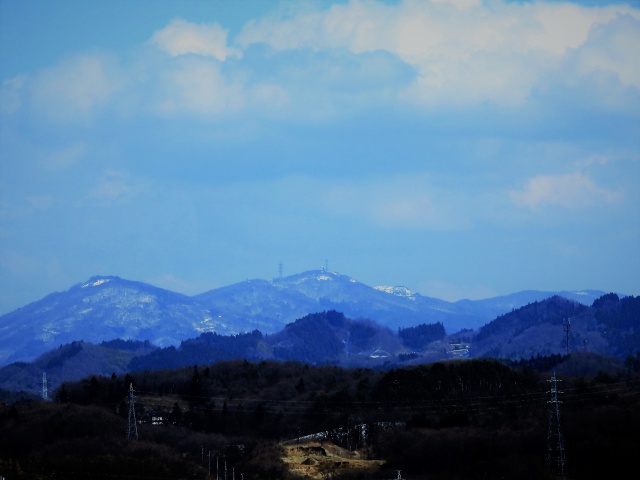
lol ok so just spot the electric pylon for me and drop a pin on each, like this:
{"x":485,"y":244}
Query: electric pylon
{"x":567,"y":330}
{"x":132,"y":429}
{"x":555,"y":445}
{"x":45,"y":389}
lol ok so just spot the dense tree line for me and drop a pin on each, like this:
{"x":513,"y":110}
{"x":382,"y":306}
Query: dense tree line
{"x":324,"y":338}
{"x":460,"y":419}
{"x":554,"y":310}
{"x":210,"y":346}
{"x":543,"y":363}
{"x":420,"y":336}
{"x":621,"y":320}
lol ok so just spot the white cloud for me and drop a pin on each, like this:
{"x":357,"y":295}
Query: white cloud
{"x":573,"y":190}
{"x":337,"y":58}
{"x":197,"y":85}
{"x":181,"y":37}
{"x":594,"y":159}
{"x":73,"y":89}
{"x":555,"y":28}
{"x":460,"y":4}
{"x":612,"y":48}
{"x":464,"y":51}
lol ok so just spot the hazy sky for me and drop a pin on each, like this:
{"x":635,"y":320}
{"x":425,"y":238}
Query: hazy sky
{"x":460,"y":148}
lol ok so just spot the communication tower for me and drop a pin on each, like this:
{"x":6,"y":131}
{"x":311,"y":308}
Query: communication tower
{"x":555,"y":446}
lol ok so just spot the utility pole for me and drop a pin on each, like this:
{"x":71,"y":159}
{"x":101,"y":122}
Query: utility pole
{"x":132,"y":429}
{"x":555,"y":446}
{"x":567,"y":329}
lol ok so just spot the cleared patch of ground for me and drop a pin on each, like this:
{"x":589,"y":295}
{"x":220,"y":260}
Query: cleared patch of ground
{"x":315,"y":460}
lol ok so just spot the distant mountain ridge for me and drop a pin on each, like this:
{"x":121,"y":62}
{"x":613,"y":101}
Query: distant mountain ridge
{"x":610,"y":328}
{"x":107,"y":307}
{"x":103,"y":308}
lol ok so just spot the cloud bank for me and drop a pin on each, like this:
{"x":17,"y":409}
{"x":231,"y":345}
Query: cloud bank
{"x":459,"y":143}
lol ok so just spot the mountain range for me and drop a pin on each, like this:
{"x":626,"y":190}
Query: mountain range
{"x":540,"y":332}
{"x":104,"y":308}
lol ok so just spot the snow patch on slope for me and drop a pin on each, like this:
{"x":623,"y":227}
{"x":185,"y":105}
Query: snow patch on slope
{"x":398,"y":291}
{"x":96,"y":283}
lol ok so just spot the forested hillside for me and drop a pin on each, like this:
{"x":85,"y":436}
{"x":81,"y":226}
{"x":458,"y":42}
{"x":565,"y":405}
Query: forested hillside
{"x":556,"y":326}
{"x":448,"y":420}
{"x":324,"y":338}
{"x":610,"y":327}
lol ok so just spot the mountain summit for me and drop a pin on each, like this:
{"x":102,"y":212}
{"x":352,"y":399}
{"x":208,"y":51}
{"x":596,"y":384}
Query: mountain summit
{"x":271,"y":304}
{"x":108,"y":307}
{"x":103,"y":308}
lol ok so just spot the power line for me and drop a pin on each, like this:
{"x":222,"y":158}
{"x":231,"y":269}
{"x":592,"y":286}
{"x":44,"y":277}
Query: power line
{"x":475,"y":403}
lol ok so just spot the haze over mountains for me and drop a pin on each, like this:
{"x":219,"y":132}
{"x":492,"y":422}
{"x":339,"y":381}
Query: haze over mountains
{"x":108,"y":307}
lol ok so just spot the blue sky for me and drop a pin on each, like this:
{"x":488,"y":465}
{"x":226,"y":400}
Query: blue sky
{"x":460,"y":148}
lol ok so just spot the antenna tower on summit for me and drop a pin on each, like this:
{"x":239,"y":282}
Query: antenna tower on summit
{"x":280,"y":270}
{"x":132,"y":429}
{"x":555,"y":445}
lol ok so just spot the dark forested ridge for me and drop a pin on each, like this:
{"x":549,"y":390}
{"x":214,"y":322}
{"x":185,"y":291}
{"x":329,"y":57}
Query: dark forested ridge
{"x":451,"y":420}
{"x":610,"y":327}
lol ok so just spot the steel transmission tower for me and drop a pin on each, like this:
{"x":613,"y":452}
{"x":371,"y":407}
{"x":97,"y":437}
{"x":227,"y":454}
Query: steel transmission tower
{"x":45,"y":389}
{"x":132,"y":429}
{"x":555,"y":445}
{"x":567,"y":330}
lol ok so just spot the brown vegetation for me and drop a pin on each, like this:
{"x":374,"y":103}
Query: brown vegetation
{"x":315,"y":460}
